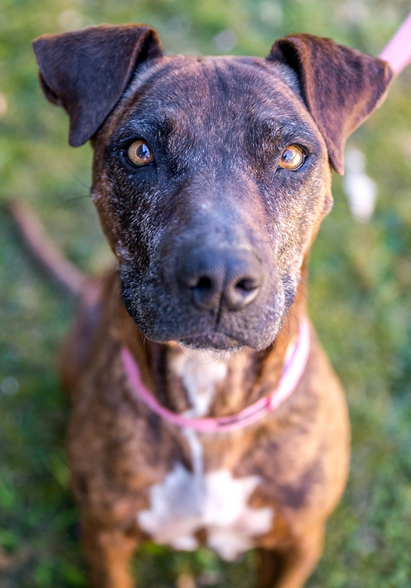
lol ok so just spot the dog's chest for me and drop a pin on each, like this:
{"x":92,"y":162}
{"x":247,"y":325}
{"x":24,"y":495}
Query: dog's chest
{"x":187,"y":502}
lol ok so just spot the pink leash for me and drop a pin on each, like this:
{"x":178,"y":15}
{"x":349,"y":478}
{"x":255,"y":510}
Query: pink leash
{"x":398,"y":51}
{"x":292,"y":372}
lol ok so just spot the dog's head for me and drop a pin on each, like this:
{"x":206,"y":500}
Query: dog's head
{"x":211,"y":175}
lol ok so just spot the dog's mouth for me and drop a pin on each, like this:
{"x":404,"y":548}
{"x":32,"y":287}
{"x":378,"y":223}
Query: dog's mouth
{"x":166,"y":311}
{"x":256,"y":327}
{"x":215,"y":341}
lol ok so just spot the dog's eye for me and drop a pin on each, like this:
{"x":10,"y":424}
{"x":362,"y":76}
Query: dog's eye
{"x":139,"y":153}
{"x":292,"y":158}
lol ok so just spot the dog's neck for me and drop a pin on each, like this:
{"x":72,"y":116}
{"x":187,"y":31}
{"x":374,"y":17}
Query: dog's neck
{"x":203,"y":383}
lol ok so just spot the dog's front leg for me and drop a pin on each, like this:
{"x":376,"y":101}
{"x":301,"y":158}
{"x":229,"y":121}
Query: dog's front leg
{"x":108,"y":553}
{"x":290,"y":567}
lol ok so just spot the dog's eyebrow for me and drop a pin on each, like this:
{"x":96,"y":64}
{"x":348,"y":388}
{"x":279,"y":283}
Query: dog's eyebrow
{"x":291,"y":128}
{"x":145,"y":125}
{"x":270,"y":126}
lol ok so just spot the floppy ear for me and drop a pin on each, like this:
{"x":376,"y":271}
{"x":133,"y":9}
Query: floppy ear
{"x":87,"y":71}
{"x":340,"y":86}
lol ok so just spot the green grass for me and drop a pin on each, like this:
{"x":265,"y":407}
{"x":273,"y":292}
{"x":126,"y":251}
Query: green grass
{"x":359,"y":298}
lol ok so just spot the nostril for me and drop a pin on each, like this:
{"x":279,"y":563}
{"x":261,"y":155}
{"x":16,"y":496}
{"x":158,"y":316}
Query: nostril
{"x":242,"y":292}
{"x":247,"y":285}
{"x":195,"y":282}
{"x":206,"y":292}
{"x":204,"y":283}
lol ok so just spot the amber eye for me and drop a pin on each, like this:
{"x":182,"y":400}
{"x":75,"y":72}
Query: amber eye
{"x":139,"y":153}
{"x":292,"y":158}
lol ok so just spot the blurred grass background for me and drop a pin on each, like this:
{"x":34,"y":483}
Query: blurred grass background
{"x":359,"y":296}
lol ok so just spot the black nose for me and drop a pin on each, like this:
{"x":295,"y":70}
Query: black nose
{"x":226,"y":278}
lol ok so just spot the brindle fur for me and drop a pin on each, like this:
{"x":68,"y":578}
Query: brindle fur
{"x":217,"y":127}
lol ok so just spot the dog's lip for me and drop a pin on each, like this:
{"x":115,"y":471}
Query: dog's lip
{"x":214,"y":340}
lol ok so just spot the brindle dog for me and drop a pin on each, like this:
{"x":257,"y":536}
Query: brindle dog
{"x":211,"y":176}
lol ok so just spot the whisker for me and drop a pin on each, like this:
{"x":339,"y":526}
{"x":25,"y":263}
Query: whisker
{"x":365,"y":220}
{"x":76,"y":178}
{"x":69,"y":201}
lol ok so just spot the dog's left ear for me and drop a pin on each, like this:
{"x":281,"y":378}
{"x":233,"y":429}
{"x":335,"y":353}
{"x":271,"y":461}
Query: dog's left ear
{"x":87,"y":71}
{"x":340,"y":86}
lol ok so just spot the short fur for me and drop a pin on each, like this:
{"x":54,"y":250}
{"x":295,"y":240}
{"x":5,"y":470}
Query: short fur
{"x":214,"y":205}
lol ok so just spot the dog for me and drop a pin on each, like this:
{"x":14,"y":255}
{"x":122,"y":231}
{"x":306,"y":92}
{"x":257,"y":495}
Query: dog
{"x":204,"y":410}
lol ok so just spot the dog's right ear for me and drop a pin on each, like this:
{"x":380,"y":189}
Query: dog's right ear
{"x":340,"y":86}
{"x":87,"y":71}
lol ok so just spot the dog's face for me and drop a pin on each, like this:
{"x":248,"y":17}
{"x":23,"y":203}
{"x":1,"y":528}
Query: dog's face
{"x":211,"y":177}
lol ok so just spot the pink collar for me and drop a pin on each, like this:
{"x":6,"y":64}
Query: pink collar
{"x":398,"y":50}
{"x":296,"y":359}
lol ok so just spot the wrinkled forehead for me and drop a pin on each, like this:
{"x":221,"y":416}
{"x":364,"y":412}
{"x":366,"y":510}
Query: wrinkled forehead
{"x":214,"y":93}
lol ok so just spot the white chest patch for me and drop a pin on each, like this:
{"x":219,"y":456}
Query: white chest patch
{"x":200,"y":372}
{"x":185,"y":502}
